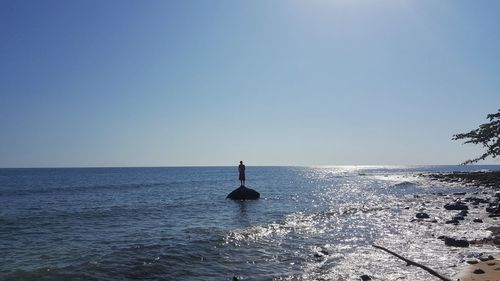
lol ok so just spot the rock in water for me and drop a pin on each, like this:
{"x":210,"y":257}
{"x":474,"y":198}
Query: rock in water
{"x":422,"y":216}
{"x":456,"y":206}
{"x":448,"y":241}
{"x":243,"y":193}
{"x":365,"y":277}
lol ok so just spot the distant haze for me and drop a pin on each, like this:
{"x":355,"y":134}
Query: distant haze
{"x":174,"y":83}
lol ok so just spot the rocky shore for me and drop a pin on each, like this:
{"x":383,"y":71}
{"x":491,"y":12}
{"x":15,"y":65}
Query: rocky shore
{"x":488,"y":199}
{"x":486,"y":179}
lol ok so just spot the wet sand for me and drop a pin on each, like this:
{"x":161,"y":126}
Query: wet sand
{"x":482,"y":271}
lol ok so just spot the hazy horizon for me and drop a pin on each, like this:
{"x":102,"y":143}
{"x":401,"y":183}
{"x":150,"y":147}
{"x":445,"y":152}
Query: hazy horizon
{"x":260,"y":166}
{"x":193,"y":83}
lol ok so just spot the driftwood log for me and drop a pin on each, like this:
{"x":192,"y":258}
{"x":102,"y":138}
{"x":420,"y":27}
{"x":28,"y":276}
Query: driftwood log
{"x":410,"y":262}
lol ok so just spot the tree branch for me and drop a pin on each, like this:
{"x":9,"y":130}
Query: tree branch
{"x":410,"y":262}
{"x":487,"y":135}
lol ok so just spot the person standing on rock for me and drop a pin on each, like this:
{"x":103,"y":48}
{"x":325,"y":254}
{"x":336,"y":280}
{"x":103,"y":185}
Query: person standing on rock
{"x":241,"y":169}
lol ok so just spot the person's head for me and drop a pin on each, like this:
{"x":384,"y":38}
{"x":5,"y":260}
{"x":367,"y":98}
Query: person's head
{"x":241,"y":162}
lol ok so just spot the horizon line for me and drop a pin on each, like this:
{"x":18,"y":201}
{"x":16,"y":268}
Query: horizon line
{"x":215,"y":166}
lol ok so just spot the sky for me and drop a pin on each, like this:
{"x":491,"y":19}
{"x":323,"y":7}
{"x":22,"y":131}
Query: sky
{"x":88,"y":83}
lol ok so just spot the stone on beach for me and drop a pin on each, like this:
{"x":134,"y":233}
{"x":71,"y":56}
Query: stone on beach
{"x":478,"y":271}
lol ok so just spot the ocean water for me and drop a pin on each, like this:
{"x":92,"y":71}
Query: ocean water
{"x":311,"y":223}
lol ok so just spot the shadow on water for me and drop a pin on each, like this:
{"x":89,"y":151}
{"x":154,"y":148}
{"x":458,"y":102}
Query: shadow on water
{"x":244,"y":212}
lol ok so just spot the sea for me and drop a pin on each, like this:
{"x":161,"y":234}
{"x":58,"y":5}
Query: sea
{"x":175,"y":223}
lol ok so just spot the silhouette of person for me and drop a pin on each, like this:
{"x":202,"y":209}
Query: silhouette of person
{"x":241,"y":169}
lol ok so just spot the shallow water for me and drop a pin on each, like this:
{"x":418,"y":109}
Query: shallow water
{"x":311,"y":223}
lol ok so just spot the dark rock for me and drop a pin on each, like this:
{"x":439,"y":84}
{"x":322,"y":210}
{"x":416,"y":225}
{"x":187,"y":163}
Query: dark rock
{"x":472,"y":262}
{"x":496,"y":240}
{"x":365,"y":277}
{"x":434,"y":221}
{"x":234,"y":278}
{"x":476,"y":200}
{"x":442,"y":237}
{"x":458,"y":218}
{"x":486,"y":258}
{"x":243,"y":193}
{"x":422,"y":216}
{"x":456,"y":206}
{"x":491,"y":209}
{"x":478,"y":271}
{"x":324,"y":252}
{"x":459,"y":193}
{"x":452,"y":222}
{"x":463,"y":213}
{"x":478,"y":220}
{"x":448,"y":241}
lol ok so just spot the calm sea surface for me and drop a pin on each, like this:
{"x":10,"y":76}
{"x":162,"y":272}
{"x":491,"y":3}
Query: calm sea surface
{"x":311,"y":223}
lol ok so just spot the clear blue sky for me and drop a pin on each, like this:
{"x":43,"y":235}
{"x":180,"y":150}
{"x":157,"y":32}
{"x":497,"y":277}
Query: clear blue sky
{"x":167,"y":83}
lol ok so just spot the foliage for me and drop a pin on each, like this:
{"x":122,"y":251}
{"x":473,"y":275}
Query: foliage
{"x":487,"y":135}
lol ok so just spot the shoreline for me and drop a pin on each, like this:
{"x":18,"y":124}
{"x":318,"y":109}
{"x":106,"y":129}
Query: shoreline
{"x":484,"y":267}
